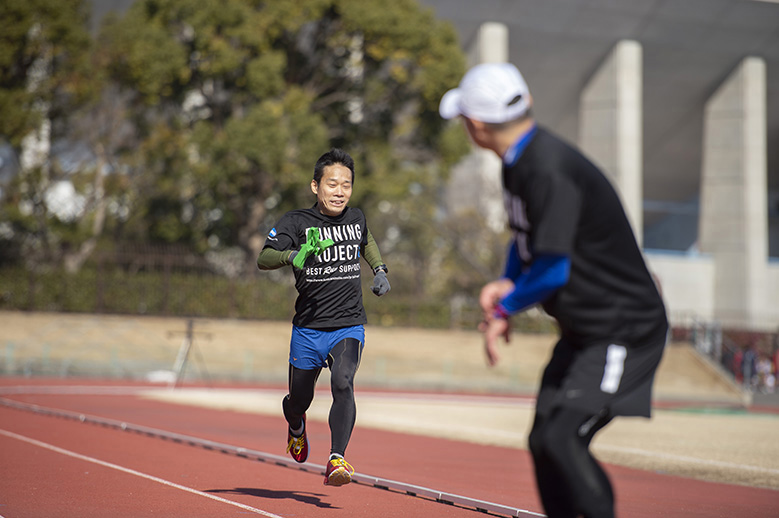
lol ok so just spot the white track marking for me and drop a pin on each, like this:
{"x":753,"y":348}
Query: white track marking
{"x":446,"y":498}
{"x":136,"y":473}
{"x":202,"y":394}
{"x":77,"y":389}
{"x":687,"y":459}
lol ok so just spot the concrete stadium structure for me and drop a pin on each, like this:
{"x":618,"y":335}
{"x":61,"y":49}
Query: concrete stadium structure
{"x":678,"y":101}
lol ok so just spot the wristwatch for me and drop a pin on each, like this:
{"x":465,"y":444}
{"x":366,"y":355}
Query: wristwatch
{"x":381,"y":267}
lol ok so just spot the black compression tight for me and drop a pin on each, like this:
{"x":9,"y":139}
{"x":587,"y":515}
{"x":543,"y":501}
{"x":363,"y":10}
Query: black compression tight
{"x":344,"y":359}
{"x":570,"y":481}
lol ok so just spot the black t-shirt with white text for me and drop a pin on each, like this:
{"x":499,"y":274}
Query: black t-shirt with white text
{"x":329,"y":289}
{"x":559,"y":203}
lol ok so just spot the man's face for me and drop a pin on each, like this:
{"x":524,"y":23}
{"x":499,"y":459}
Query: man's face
{"x":334,"y":189}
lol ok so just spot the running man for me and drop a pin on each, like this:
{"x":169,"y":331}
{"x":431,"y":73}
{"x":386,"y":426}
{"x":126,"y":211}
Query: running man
{"x":324,"y":244}
{"x":574,"y":252}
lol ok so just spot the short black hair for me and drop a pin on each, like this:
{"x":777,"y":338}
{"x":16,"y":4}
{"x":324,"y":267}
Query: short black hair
{"x":332,"y":157}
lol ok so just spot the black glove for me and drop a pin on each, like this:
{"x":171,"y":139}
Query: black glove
{"x":380,"y":284}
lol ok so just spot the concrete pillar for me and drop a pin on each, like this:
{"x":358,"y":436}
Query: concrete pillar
{"x":734,"y":219}
{"x":490,"y":46}
{"x":610,"y":119}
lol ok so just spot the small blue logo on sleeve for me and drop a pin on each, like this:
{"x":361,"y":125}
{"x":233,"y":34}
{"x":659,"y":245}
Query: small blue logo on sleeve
{"x":272,"y":232}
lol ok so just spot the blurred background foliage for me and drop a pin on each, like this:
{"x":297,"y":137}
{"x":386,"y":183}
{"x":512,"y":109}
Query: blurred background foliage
{"x":193,"y":125}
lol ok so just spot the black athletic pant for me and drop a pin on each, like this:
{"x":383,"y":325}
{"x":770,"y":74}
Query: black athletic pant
{"x":570,"y":481}
{"x":343,"y":360}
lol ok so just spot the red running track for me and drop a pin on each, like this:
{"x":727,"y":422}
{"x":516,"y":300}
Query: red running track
{"x":57,"y":467}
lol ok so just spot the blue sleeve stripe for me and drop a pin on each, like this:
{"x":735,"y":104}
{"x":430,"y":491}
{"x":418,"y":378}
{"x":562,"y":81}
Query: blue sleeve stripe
{"x":547,"y":274}
{"x":513,"y":267}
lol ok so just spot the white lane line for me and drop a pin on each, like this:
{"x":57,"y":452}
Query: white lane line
{"x":136,"y":473}
{"x":446,"y":498}
{"x":117,"y":390}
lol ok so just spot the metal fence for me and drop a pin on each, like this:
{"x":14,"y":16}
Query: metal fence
{"x":750,"y":359}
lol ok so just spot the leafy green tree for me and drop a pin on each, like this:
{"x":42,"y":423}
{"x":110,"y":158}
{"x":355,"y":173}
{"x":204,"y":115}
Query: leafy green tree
{"x":44,"y":48}
{"x":202,"y":119}
{"x":235,"y":99}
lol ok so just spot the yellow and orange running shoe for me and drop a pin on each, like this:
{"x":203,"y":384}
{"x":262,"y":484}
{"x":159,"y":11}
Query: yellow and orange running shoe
{"x":339,"y":472}
{"x":298,"y":446}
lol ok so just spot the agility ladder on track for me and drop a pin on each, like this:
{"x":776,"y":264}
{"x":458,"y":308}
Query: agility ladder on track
{"x":367,"y":480}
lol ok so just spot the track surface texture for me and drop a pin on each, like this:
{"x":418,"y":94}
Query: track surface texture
{"x":81,"y":449}
{"x":84,"y":432}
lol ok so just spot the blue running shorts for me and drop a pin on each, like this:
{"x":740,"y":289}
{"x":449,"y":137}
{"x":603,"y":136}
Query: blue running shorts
{"x":308,"y":348}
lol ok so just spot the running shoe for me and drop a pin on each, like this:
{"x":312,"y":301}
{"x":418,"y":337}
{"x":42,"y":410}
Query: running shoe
{"x":338,"y":473}
{"x":298,"y":446}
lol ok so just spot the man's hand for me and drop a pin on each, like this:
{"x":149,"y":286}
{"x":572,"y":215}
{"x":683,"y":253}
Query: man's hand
{"x":380,"y":284}
{"x":493,"y":330}
{"x":492,"y":327}
{"x":299,"y":257}
{"x":491,"y":294}
{"x":312,"y":246}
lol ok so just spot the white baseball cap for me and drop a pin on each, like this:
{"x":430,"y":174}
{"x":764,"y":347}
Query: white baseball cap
{"x":490,"y":92}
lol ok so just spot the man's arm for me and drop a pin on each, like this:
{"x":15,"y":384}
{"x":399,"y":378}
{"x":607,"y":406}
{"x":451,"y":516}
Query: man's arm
{"x":270,"y":259}
{"x":372,"y":254}
{"x":547,"y":274}
{"x":513,"y":268}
